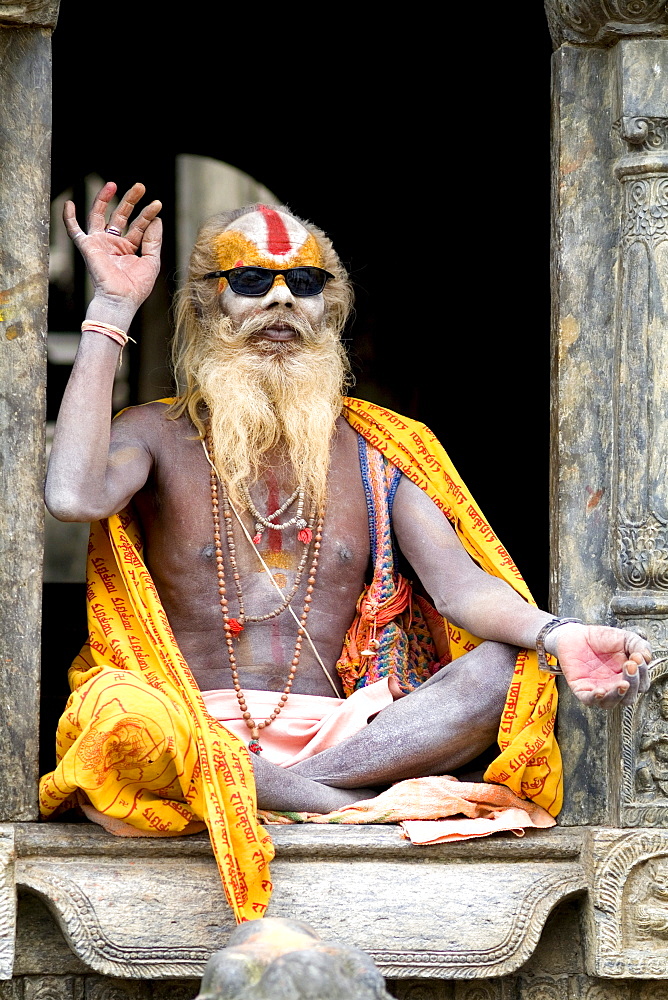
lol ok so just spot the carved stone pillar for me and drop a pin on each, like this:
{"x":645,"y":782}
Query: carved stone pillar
{"x":610,"y":380}
{"x":25,"y":126}
{"x":640,"y":378}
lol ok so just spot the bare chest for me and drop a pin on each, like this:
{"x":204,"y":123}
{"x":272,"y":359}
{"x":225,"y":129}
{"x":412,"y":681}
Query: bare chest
{"x":181,"y":551}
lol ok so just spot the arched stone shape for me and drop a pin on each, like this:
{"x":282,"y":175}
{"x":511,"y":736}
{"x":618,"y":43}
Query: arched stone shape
{"x":628,"y":903}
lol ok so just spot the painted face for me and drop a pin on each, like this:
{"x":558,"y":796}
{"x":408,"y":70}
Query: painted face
{"x":268,"y":238}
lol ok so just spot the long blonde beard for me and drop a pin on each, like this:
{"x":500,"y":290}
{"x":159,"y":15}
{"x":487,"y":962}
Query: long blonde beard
{"x":262,"y":395}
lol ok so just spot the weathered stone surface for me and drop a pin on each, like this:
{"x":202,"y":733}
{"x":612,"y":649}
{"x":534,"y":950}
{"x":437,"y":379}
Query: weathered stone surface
{"x":53,"y":988}
{"x":29,"y":12}
{"x":545,"y":988}
{"x":7,"y":902}
{"x":609,"y":512}
{"x":644,"y":793}
{"x":88,"y":839}
{"x":114,"y":899}
{"x":25,"y":123}
{"x":491,"y":989}
{"x":628,"y":904}
{"x":40,"y":945}
{"x":125,"y":919}
{"x":603,"y":22}
{"x":642,"y":79}
{"x":424,"y":989}
{"x":11,"y":990}
{"x":280,"y":959}
{"x":640,"y":430}
{"x":586,"y":211}
{"x":551,"y":957}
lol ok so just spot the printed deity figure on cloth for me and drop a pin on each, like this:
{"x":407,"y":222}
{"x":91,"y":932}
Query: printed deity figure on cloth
{"x":256,"y":651}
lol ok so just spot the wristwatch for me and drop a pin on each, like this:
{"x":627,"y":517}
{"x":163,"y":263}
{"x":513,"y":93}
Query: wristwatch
{"x":540,"y":643}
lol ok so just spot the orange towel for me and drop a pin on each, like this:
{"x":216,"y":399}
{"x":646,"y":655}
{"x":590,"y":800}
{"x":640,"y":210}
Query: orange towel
{"x":488,"y":808}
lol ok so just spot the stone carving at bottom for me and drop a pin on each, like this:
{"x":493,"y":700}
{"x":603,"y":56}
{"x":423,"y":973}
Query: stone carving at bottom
{"x":280,"y":959}
{"x":652,"y":766}
{"x":53,"y":988}
{"x":94,"y":988}
{"x":7,"y":901}
{"x":434,"y":989}
{"x":490,"y":989}
{"x":644,"y":790}
{"x":546,"y":988}
{"x":628,"y":903}
{"x":647,"y":917}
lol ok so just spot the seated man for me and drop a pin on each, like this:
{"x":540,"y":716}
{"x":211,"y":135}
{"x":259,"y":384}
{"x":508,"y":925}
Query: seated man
{"x":262,"y":507}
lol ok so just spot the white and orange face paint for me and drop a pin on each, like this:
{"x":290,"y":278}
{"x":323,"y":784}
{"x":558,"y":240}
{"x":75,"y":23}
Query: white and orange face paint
{"x":265,"y":238}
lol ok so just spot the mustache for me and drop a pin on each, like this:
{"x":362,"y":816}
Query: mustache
{"x":254,"y":325}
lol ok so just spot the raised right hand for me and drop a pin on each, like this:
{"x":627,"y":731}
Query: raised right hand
{"x":118,"y":274}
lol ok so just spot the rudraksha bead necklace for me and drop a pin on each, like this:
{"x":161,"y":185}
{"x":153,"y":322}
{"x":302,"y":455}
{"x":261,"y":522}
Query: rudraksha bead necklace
{"x":230,"y":623}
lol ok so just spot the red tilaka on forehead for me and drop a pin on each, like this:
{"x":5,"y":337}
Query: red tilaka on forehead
{"x":265,"y":237}
{"x":278,"y":240}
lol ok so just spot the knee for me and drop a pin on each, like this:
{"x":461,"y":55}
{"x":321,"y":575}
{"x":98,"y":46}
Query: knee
{"x":491,"y":671}
{"x":116,"y":693}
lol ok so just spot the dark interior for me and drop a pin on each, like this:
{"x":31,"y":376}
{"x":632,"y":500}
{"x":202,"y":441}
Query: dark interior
{"x":421,"y":148}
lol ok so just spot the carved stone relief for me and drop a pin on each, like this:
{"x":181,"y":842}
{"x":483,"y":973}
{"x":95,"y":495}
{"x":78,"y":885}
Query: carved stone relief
{"x":94,"y":900}
{"x":641,"y":432}
{"x":413,"y":990}
{"x":601,"y":22}
{"x":587,"y":989}
{"x":646,"y":919}
{"x":644,"y":793}
{"x":7,"y":902}
{"x":545,"y":988}
{"x":99,"y":988}
{"x":628,"y":904}
{"x":53,"y":988}
{"x":109,"y":989}
{"x":640,"y":403}
{"x":656,"y":992}
{"x":647,"y":134}
{"x":490,"y":989}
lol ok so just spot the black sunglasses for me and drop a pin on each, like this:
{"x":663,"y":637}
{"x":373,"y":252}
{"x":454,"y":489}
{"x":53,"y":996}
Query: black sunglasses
{"x":301,"y":281}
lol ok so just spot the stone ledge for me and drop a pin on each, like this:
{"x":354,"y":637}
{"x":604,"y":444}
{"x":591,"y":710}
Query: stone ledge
{"x":150,"y":909}
{"x":67,"y":839}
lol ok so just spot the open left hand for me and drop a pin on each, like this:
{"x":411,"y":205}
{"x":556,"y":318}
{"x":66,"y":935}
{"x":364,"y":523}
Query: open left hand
{"x":604,"y":666}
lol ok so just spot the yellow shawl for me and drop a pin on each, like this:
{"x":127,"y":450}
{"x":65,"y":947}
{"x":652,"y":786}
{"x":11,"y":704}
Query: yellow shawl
{"x":529,"y":762}
{"x":129,"y":631}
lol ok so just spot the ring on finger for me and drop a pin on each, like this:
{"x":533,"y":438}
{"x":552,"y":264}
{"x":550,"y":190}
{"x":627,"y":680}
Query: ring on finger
{"x":113,"y":230}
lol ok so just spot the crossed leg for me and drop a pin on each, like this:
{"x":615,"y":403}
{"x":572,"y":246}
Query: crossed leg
{"x":440,"y":726}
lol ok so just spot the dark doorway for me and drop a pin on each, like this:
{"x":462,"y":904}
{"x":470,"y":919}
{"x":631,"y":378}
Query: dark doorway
{"x":422,"y":150}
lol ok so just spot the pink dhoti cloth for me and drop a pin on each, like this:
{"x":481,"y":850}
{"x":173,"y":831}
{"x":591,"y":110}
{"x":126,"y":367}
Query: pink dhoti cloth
{"x":307,"y":724}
